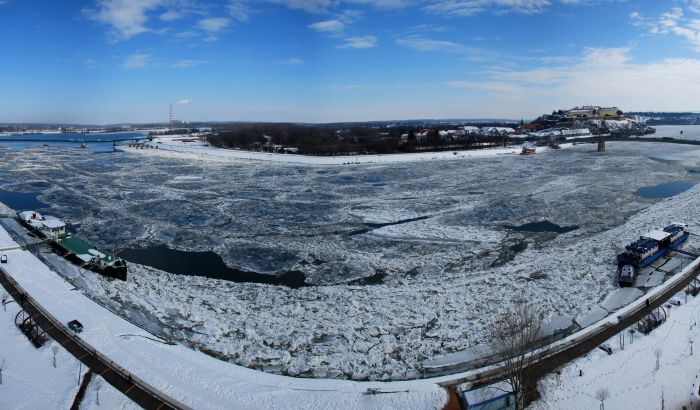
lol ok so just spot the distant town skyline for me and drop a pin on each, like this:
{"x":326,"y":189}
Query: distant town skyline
{"x":119,"y":61}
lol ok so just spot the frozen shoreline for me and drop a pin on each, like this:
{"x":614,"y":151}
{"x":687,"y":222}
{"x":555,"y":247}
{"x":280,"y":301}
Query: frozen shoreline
{"x":447,"y":257}
{"x":171,"y":147}
{"x":194,"y":378}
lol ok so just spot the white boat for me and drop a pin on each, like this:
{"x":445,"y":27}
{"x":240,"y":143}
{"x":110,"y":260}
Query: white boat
{"x":528,"y":151}
{"x":46,"y":225}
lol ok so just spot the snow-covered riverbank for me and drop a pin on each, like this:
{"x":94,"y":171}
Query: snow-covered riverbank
{"x":630,"y":376}
{"x":168,"y":146}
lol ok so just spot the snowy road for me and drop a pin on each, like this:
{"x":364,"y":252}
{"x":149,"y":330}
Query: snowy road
{"x":134,"y":388}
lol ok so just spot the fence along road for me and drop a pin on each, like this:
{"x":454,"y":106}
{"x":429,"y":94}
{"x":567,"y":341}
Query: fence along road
{"x":549,"y":358}
{"x":134,"y":388}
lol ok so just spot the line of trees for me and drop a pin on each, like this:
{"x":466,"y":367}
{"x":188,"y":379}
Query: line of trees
{"x":354,"y":140}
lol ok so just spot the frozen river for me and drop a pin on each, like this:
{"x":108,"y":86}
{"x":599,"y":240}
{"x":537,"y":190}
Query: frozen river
{"x":405,"y":261}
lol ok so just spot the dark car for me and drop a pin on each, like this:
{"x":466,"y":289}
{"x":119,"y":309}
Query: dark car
{"x":75,"y":326}
{"x":3,"y":259}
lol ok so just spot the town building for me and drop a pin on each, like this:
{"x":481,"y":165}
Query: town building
{"x":591,"y":112}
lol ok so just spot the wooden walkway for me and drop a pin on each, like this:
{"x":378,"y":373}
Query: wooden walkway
{"x":134,"y":388}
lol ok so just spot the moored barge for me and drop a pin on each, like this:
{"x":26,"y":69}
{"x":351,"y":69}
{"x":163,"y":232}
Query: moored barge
{"x":647,"y":249}
{"x":73,"y":248}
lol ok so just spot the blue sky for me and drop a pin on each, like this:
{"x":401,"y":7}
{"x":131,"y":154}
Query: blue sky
{"x":109,"y":61}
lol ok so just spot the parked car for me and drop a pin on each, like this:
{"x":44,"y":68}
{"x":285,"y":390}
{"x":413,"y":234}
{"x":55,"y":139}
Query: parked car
{"x":3,"y":259}
{"x":75,"y":326}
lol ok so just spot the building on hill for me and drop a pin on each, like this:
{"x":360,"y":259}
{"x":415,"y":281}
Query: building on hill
{"x":604,"y":112}
{"x":589,"y":112}
{"x":581,"y":112}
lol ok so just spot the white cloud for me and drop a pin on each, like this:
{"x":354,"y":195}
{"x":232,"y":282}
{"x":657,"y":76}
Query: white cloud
{"x":694,"y":6}
{"x":212,"y":26}
{"x":359,"y":42}
{"x":674,"y":21}
{"x":136,"y":60}
{"x":492,"y":86}
{"x":290,"y":61}
{"x":311,"y":6}
{"x":171,"y":15}
{"x":384,"y":4}
{"x":187,"y":34}
{"x":186,"y":63}
{"x":606,"y":76}
{"x":421,"y":43}
{"x":448,"y":7}
{"x":470,"y":7}
{"x":328,"y":26}
{"x":127,"y":17}
{"x":238,"y":10}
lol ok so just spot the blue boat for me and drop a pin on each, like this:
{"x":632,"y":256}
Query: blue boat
{"x":648,"y":248}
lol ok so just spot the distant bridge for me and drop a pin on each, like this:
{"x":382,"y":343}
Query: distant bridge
{"x":76,"y":140}
{"x":601,"y":140}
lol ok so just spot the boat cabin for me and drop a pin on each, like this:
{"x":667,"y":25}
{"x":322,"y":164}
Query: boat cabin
{"x":47,"y":225}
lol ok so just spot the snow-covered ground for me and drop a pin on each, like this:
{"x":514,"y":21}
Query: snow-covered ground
{"x":29,"y":380}
{"x":175,"y":147}
{"x":441,"y":236}
{"x":194,"y":378}
{"x":630,"y":376}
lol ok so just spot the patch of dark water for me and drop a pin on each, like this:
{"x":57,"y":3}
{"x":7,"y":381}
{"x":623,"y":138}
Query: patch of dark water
{"x":542,"y":226}
{"x":666,"y":190}
{"x":207,"y":264}
{"x":22,"y":200}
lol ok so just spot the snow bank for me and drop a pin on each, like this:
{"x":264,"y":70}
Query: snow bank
{"x":29,"y":380}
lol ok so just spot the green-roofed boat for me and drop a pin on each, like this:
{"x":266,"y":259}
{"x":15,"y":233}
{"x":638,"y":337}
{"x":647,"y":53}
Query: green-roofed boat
{"x":73,"y":248}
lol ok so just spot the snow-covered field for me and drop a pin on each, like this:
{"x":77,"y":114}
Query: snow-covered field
{"x":630,"y":376}
{"x":29,"y":380}
{"x":436,"y":238}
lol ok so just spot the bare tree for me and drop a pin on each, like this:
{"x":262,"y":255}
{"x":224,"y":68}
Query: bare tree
{"x":98,"y":386}
{"x":658,"y":352}
{"x":54,"y":350}
{"x":602,"y":395}
{"x":691,"y":340}
{"x":2,"y":366}
{"x":514,"y":336}
{"x":5,"y":298}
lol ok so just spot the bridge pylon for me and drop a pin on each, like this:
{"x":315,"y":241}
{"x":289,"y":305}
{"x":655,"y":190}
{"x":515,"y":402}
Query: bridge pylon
{"x":601,"y":145}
